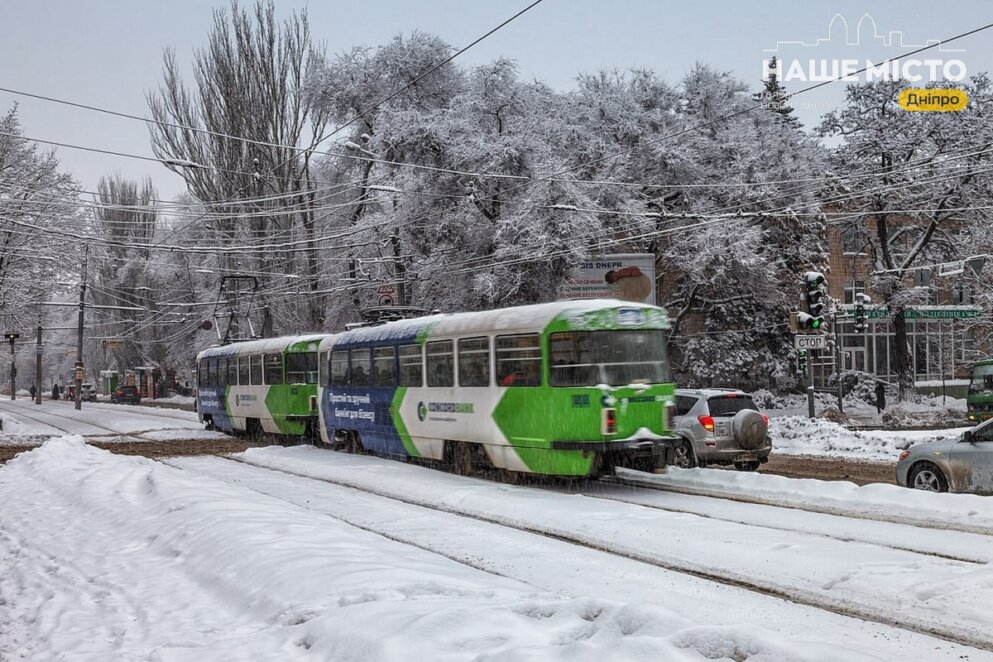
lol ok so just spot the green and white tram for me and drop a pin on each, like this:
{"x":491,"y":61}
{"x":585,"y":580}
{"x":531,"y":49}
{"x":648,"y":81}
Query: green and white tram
{"x":570,"y":388}
{"x":260,"y":386}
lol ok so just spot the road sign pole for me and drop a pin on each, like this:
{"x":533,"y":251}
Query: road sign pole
{"x":810,"y":390}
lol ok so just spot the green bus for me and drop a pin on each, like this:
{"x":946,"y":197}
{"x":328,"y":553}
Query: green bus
{"x":979,"y":401}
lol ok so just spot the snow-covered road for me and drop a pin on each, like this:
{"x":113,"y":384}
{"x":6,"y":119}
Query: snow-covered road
{"x":23,"y":420}
{"x":302,"y":553}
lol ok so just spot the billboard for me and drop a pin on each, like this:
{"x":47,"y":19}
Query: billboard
{"x":627,"y":276}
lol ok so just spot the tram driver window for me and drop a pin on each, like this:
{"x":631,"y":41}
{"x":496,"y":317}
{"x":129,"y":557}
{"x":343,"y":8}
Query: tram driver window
{"x":518,"y":360}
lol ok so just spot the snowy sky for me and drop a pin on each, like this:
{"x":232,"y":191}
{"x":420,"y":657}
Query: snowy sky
{"x":108,"y":53}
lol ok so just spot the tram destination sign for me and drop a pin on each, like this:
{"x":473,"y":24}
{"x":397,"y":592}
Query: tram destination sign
{"x":809,"y":342}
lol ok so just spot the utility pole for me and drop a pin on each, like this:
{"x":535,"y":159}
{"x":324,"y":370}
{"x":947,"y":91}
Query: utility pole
{"x":837,"y":360}
{"x":37,"y":366}
{"x":79,"y":333}
{"x":13,"y":365}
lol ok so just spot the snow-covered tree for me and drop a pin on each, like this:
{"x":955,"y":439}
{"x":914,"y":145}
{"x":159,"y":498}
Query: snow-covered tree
{"x":249,"y":84}
{"x":38,"y":211}
{"x":926,"y":178}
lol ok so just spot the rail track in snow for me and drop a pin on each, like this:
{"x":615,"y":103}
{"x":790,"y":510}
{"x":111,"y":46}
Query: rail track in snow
{"x":798,"y":595}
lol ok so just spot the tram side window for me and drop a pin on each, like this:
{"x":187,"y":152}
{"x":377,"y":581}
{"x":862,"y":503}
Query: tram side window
{"x":202,"y":373}
{"x":572,"y":362}
{"x":339,"y":368}
{"x":322,"y":368}
{"x":474,"y":362}
{"x":360,"y":367}
{"x":440,"y":363}
{"x":232,"y":372}
{"x":273,"y":366}
{"x":382,"y":366}
{"x":256,"y":369}
{"x":301,"y":368}
{"x":243,"y":376}
{"x":518,"y":360}
{"x":214,"y":381}
{"x":411,"y":366}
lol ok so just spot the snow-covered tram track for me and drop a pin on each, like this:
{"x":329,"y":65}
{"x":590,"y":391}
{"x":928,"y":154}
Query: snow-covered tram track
{"x":800,"y":589}
{"x":70,"y":424}
{"x":651,"y":482}
{"x":866,"y":530}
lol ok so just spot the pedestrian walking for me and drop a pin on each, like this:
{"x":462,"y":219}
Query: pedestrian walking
{"x":880,"y":397}
{"x":55,"y":391}
{"x":33,"y":391}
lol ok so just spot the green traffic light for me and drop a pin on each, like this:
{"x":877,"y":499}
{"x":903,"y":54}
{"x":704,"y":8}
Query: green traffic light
{"x":815,"y":323}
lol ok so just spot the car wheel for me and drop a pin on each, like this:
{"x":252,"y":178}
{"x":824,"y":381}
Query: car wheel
{"x":751,"y":465}
{"x":683,"y":456}
{"x":927,"y":477}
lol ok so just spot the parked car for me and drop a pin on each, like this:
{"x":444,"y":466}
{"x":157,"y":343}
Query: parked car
{"x":719,"y":426}
{"x":127,"y":393}
{"x":88,"y":391}
{"x":963,"y":464}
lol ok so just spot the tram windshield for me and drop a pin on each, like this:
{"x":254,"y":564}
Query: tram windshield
{"x":587,"y":358}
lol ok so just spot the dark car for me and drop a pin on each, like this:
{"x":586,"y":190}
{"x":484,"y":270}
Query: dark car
{"x":127,"y":394}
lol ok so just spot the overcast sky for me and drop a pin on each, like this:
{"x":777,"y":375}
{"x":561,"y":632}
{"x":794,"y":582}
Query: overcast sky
{"x":108,"y":53}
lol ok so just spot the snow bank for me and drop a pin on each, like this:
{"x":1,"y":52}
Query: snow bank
{"x":798,"y":435}
{"x":890,"y":502}
{"x":112,"y":557}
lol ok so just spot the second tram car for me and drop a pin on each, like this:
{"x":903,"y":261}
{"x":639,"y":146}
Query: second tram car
{"x":260,"y":386}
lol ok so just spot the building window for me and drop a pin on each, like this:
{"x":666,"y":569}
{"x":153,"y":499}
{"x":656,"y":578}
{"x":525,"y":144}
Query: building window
{"x":962,"y":294}
{"x":853,"y":288}
{"x":854,"y":240}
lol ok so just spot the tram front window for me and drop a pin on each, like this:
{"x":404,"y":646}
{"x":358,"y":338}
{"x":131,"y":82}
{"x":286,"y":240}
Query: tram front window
{"x":616,"y":358}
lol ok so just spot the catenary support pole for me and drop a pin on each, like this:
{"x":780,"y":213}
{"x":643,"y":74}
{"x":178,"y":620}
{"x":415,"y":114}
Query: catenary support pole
{"x":37,"y":367}
{"x":79,"y":334}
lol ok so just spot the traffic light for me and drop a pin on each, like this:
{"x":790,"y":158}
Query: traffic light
{"x":860,"y":322}
{"x":801,"y":361}
{"x":805,"y":322}
{"x":814,"y":300}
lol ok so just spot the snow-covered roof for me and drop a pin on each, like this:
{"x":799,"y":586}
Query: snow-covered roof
{"x":503,"y":320}
{"x":264,"y":345}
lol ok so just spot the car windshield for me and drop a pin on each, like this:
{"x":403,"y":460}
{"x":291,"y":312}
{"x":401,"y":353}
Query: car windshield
{"x":729,"y":405}
{"x":982,"y":378}
{"x":587,"y":358}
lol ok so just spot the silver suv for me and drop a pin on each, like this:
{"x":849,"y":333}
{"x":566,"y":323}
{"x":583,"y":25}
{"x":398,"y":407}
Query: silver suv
{"x":719,"y":426}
